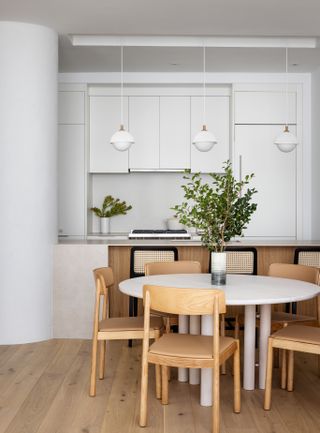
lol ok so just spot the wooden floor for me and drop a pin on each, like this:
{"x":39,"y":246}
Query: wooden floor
{"x":44,"y":389}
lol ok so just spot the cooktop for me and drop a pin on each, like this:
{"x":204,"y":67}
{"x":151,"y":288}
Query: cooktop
{"x":159,"y":234}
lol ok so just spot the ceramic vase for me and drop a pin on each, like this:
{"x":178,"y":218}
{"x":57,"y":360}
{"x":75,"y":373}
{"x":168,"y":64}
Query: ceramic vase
{"x":218,"y":268}
{"x":104,"y":225}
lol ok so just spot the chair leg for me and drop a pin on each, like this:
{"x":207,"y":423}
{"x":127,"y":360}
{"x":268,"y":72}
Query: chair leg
{"x":290,"y":370}
{"x":165,"y":390}
{"x":268,"y":387}
{"x":223,"y":333}
{"x":92,"y":391}
{"x":236,"y":327}
{"x":158,"y":381}
{"x":102,"y":359}
{"x":236,"y":380}
{"x":144,"y":393}
{"x":215,"y":400}
{"x":283,"y":381}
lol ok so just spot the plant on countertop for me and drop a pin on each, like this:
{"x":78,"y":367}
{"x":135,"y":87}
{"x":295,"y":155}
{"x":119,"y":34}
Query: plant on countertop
{"x":111,"y":207}
{"x":221,"y":210}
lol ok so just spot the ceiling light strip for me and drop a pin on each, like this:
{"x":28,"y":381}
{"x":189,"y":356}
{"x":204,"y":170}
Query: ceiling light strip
{"x":193,"y":41}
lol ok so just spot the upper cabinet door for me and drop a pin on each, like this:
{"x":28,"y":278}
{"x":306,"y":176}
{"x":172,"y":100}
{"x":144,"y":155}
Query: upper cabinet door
{"x":265,"y":107}
{"x":275,"y":180}
{"x":218,"y":122}
{"x":104,"y":122}
{"x":174,"y":132}
{"x":144,"y":126}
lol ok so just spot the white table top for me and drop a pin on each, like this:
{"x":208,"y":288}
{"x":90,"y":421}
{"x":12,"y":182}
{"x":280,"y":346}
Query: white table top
{"x":239,"y":290}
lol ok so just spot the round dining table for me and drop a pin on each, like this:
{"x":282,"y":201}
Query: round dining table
{"x":246,"y":290}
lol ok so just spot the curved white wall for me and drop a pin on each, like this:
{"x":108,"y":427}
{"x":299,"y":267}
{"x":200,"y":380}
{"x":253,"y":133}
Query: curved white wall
{"x":28,"y":143}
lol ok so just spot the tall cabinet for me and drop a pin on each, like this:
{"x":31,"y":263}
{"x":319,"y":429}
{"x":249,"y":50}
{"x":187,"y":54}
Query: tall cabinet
{"x":259,"y":116}
{"x":71,"y":161}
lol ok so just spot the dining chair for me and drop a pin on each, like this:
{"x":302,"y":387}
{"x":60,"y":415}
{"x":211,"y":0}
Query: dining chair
{"x":297,"y":338}
{"x":185,"y":350}
{"x":178,"y":267}
{"x":115,"y":328}
{"x":281,"y":319}
{"x":141,"y":255}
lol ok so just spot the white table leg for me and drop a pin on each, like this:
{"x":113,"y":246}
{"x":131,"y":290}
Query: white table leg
{"x":183,"y":329}
{"x":265,"y":327}
{"x":194,"y":373}
{"x":249,"y":346}
{"x":206,"y":373}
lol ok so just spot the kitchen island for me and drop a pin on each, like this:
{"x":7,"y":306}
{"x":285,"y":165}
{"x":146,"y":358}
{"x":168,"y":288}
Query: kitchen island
{"x":74,"y":260}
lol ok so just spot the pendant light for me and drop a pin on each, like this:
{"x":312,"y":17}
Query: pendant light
{"x":286,"y":141}
{"x":122,"y":139}
{"x":204,"y":140}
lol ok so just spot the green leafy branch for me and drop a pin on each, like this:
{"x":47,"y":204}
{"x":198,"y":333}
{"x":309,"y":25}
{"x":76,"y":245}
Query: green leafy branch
{"x":221,"y":210}
{"x":111,"y":207}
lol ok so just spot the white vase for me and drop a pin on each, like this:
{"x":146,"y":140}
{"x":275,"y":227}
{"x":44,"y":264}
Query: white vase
{"x":104,"y":225}
{"x":218,"y":268}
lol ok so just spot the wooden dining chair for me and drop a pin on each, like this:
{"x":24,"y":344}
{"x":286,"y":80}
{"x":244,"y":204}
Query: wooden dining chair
{"x":281,"y":319}
{"x":184,"y":350}
{"x":178,"y":267}
{"x":115,"y":328}
{"x":297,"y":338}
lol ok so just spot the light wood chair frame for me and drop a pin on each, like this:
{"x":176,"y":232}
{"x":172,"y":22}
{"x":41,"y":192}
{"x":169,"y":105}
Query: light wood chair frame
{"x":177,"y":267}
{"x":103,"y":280}
{"x":188,"y":302}
{"x":288,"y":346}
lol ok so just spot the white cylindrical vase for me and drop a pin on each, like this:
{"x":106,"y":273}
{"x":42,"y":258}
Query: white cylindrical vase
{"x":218,"y":268}
{"x":28,"y":180}
{"x":104,"y":225}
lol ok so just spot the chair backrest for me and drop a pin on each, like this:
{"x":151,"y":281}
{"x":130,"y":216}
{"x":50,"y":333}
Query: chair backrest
{"x":139,"y":256}
{"x":185,"y":301}
{"x":240,"y":260}
{"x":295,"y":272}
{"x":103,"y":278}
{"x":308,"y":256}
{"x":178,"y":267}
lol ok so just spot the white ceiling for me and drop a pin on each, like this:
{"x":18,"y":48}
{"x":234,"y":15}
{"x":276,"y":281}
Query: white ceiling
{"x":175,"y":17}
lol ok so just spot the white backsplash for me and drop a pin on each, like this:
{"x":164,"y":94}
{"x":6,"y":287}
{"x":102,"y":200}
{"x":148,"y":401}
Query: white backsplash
{"x":150,"y":194}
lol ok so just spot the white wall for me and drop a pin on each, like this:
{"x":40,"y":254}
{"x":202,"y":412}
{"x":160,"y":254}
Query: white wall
{"x":315,"y":191}
{"x":28,"y":142}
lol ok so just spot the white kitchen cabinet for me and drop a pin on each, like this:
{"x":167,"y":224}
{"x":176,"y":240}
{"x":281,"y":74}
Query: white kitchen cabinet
{"x":275,"y":180}
{"x":144,"y":126}
{"x":71,"y":180}
{"x":218,"y":122}
{"x":71,"y":107}
{"x":104,"y":122}
{"x":174,"y":132}
{"x":264,"y":107}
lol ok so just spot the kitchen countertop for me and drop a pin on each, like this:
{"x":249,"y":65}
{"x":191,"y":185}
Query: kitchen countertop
{"x":121,"y":239}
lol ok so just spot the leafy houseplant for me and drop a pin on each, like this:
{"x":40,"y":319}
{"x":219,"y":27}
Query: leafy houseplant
{"x":110,"y":207}
{"x":221,"y":210}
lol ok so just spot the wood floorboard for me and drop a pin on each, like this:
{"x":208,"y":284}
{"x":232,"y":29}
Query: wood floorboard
{"x":44,"y":389}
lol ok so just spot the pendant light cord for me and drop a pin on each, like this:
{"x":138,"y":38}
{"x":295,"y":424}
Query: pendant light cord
{"x":287,"y":93}
{"x":121,"y":88}
{"x":204,"y":85}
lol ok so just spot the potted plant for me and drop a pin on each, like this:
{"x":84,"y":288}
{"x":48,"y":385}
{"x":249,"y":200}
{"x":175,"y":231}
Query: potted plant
{"x":220,"y":211}
{"x":110,"y":207}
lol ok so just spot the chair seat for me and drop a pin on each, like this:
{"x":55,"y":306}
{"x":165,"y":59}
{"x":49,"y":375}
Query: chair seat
{"x":283,"y":317}
{"x":299,"y":333}
{"x":128,"y":324}
{"x":188,"y":346}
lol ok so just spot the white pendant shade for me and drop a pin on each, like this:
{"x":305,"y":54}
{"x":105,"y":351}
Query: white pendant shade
{"x":286,"y":141}
{"x":122,"y":140}
{"x":204,"y":140}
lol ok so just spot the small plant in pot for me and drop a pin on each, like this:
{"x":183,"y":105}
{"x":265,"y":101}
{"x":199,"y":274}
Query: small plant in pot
{"x":220,"y":211}
{"x":110,"y":207}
